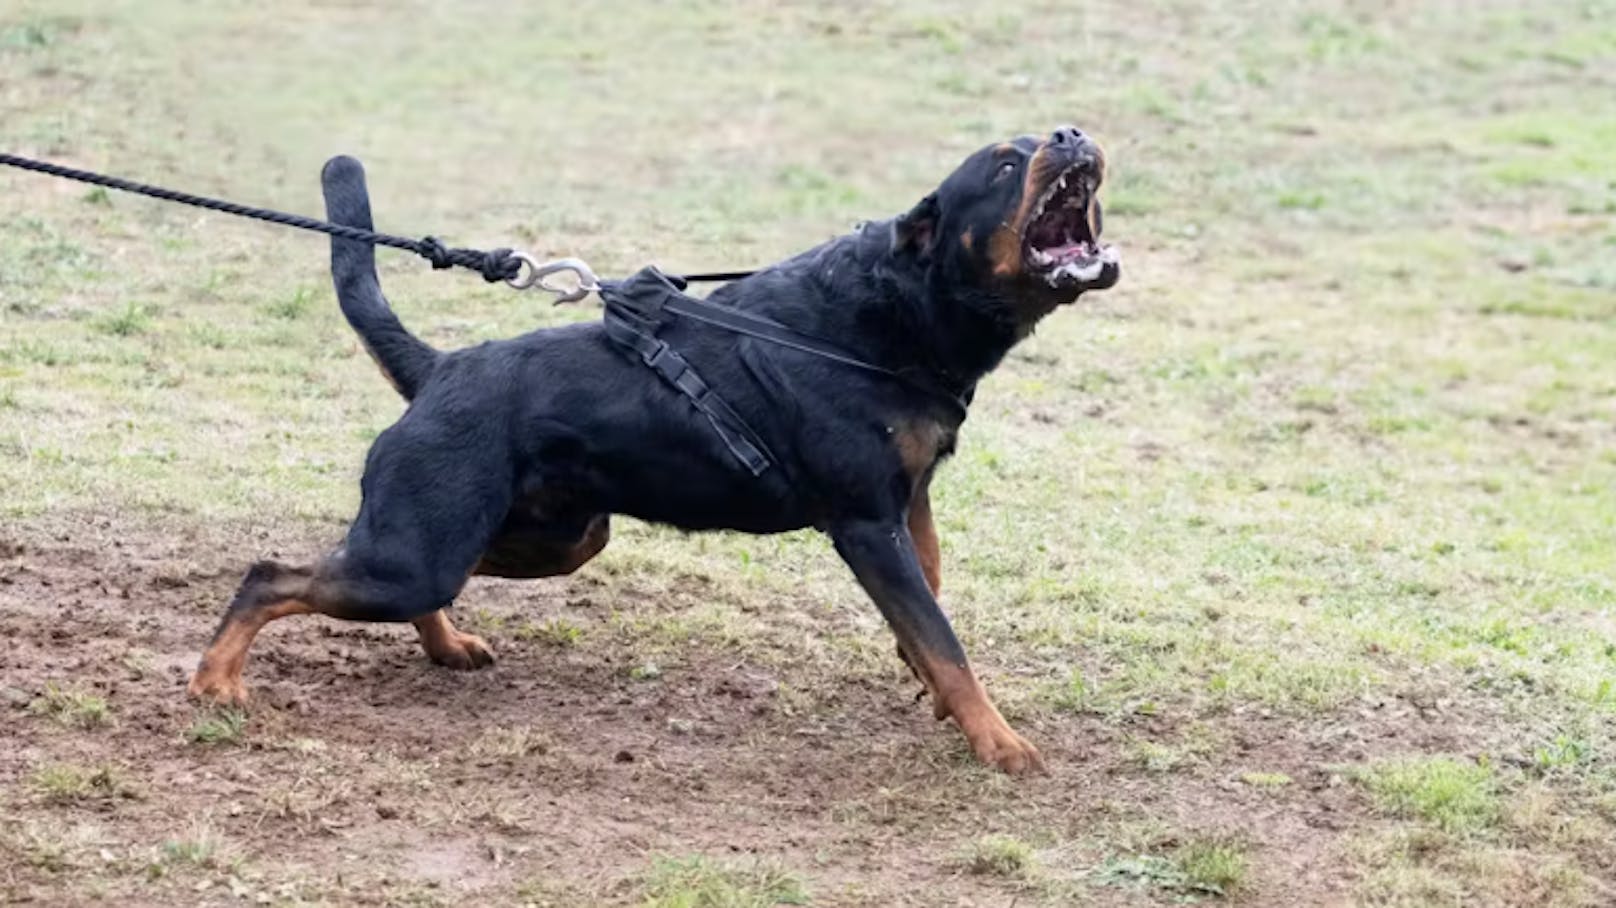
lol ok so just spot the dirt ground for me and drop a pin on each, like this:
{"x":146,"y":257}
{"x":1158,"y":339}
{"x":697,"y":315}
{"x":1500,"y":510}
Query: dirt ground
{"x":365,"y":775}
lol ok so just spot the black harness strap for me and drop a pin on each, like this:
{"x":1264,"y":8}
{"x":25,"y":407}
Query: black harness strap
{"x":767,"y":329}
{"x":674,"y":369}
{"x":761,"y":328}
{"x":637,"y":308}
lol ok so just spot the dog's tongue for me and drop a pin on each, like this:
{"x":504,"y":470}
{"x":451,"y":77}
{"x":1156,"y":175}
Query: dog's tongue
{"x":1068,"y":251}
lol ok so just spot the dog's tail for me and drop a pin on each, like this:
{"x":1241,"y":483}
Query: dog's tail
{"x":405,"y":359}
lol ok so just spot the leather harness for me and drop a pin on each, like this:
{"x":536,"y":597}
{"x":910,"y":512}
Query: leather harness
{"x":637,"y":308}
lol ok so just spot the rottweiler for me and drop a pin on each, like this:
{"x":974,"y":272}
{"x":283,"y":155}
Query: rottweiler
{"x":512,"y":455}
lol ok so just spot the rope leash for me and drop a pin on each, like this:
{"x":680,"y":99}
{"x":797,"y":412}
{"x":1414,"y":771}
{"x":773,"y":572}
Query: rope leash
{"x":517,"y":269}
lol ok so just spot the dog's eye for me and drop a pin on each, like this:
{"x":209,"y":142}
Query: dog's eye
{"x":1005,"y":169}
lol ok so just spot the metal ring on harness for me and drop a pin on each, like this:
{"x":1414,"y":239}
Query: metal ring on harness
{"x":533,"y":274}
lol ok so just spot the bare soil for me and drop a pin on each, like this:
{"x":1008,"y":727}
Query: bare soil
{"x":367,"y":775}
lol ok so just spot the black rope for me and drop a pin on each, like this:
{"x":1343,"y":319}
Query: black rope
{"x":494,"y":265}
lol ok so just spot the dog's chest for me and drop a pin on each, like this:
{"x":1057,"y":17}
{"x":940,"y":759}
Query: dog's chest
{"x":920,"y":444}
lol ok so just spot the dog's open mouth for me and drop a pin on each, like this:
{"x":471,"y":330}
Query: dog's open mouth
{"x":1062,"y":239}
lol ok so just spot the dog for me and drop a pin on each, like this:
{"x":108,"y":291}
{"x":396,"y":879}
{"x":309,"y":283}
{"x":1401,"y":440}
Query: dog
{"x":512,"y":455}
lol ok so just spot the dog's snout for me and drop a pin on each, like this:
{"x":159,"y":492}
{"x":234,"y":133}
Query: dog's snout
{"x":1075,"y":146}
{"x":1069,"y":136}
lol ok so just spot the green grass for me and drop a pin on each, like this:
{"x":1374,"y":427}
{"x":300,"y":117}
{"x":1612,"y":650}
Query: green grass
{"x":71,"y":707}
{"x":556,"y":632}
{"x":1213,"y":865}
{"x":1000,"y":855}
{"x":697,"y":881}
{"x":1457,"y":797}
{"x":1265,"y":779}
{"x":1564,"y":750}
{"x":225,"y":725}
{"x":201,"y":848}
{"x":1199,"y":867}
{"x":70,"y":782}
{"x":132,"y":319}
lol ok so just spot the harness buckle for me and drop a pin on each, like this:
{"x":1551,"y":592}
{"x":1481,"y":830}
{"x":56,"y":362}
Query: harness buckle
{"x":653,"y":357}
{"x":533,"y":274}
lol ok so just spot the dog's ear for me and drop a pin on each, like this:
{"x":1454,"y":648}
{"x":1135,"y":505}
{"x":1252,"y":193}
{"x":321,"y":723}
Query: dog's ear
{"x":915,"y":231}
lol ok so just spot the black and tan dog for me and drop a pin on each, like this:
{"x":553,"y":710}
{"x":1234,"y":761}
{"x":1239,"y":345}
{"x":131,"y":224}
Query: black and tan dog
{"x":513,"y":454}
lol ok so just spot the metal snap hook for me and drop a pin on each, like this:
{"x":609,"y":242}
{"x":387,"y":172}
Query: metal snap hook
{"x":533,"y":274}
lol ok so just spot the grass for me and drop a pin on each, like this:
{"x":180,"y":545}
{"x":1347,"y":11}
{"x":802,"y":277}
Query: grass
{"x":697,"y":881}
{"x":1213,"y":865}
{"x":1000,"y":855}
{"x":1334,"y":457}
{"x":132,"y":319}
{"x":201,"y":848}
{"x":1427,"y":867}
{"x":1198,"y":867}
{"x":1564,"y":751}
{"x":1195,"y":745}
{"x":556,"y":632}
{"x":1456,"y":796}
{"x":69,"y":782}
{"x":37,"y":849}
{"x":226,"y":725}
{"x":1265,"y":779}
{"x":71,"y":707}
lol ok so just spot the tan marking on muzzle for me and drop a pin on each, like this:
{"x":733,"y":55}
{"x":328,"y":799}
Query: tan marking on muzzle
{"x":1004,"y":249}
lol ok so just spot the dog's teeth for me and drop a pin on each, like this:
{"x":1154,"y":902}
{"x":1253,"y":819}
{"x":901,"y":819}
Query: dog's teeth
{"x":1086,"y":272}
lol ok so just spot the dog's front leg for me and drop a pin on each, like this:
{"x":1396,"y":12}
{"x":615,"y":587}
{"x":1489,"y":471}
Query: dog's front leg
{"x":882,"y":556}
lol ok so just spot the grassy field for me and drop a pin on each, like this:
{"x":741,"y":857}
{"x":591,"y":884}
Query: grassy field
{"x":1294,"y":552}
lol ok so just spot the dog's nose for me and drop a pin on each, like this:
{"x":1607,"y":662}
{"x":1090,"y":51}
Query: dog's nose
{"x":1075,"y":146}
{"x":1069,"y":136}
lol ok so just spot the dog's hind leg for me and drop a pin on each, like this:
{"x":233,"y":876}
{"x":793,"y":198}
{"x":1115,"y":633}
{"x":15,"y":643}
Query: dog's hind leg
{"x":407,"y":555}
{"x":341,"y":586}
{"x":269,"y":591}
{"x":516,"y":555}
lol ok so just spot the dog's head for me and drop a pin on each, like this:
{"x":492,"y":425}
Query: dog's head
{"x":1018,"y":222}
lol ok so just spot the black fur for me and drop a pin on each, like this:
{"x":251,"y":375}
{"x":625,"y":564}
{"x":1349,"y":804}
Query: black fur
{"x":405,"y":358}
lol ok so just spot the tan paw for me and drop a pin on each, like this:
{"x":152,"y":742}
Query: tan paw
{"x":460,"y":651}
{"x":217,"y":686}
{"x":1001,"y":747}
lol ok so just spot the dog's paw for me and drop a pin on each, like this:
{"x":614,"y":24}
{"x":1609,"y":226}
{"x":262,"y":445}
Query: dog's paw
{"x":1008,"y":751}
{"x":218,"y":687}
{"x":461,"y":651}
